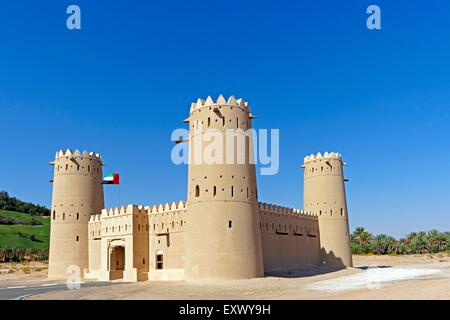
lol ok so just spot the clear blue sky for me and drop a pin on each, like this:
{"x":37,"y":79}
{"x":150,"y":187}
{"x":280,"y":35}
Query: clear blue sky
{"x":310,"y":68}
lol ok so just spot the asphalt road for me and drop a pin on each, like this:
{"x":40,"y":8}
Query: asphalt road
{"x":20,"y":292}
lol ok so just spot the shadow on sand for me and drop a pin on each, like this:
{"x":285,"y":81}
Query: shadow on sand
{"x":328,"y":263}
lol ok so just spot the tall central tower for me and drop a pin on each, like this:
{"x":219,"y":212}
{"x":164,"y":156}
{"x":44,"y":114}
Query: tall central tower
{"x":77,"y":193}
{"x":222,"y":237}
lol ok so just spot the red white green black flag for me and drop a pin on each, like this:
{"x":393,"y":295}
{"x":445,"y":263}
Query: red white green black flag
{"x":112,"y":178}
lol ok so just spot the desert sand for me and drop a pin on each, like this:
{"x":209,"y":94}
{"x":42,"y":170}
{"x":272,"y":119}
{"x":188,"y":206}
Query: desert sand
{"x":373,"y":277}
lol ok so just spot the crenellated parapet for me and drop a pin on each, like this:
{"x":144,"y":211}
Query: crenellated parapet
{"x":166,"y":208}
{"x":279,"y":210}
{"x":326,"y":164}
{"x":124,"y":210}
{"x":123,"y":220}
{"x":95,"y":226}
{"x":325,"y":156}
{"x":221,"y":101}
{"x":77,"y":163}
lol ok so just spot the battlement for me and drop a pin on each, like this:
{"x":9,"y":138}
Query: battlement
{"x":77,"y":153}
{"x":209,"y":102}
{"x":274,"y":209}
{"x":162,"y":208}
{"x":122,"y":210}
{"x":319,"y":156}
{"x":95,"y":217}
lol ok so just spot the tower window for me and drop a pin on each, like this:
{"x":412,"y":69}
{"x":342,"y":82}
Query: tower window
{"x":197,"y":191}
{"x":89,"y":168}
{"x":342,"y":212}
{"x":214,"y":191}
{"x":159,"y":261}
{"x":64,"y":215}
{"x":54,"y":214}
{"x":230,"y":224}
{"x":232,"y":191}
{"x":78,"y":238}
{"x":78,"y":216}
{"x":209,"y":122}
{"x":331,"y":212}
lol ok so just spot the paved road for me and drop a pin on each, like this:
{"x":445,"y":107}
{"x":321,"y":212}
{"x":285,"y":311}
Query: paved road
{"x":20,"y":292}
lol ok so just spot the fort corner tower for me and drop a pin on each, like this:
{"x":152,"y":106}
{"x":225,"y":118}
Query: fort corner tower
{"x":223,"y":240}
{"x":324,"y":194}
{"x":77,"y":194}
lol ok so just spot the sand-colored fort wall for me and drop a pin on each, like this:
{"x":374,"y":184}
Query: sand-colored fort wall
{"x":94,"y":245}
{"x":124,"y":244}
{"x":290,"y":238}
{"x":167,"y":241}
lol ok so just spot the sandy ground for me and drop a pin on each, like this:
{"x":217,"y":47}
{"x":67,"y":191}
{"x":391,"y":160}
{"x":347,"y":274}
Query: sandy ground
{"x":18,"y":273}
{"x":374,"y":277}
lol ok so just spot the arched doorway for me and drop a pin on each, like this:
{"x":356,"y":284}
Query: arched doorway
{"x":116,"y":263}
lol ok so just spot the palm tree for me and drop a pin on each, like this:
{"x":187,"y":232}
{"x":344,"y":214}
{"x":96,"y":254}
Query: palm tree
{"x":437,"y":241}
{"x":418,"y":242}
{"x":361,"y":239}
{"x":383,"y":244}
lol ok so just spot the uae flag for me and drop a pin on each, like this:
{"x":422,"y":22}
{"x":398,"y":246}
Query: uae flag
{"x":112,"y":178}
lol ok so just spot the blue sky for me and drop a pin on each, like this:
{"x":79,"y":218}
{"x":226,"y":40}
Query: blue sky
{"x":122,"y":83}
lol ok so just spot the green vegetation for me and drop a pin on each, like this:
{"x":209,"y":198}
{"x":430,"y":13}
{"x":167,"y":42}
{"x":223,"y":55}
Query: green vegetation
{"x":434,"y":241}
{"x":13,"y":204}
{"x":26,"y":232}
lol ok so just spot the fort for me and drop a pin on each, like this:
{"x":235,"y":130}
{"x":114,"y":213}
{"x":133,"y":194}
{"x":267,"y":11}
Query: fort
{"x":221,"y":231}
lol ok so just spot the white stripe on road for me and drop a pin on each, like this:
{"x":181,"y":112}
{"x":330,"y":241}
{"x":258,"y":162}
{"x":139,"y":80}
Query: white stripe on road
{"x":22,"y":287}
{"x":43,"y":288}
{"x":49,"y":284}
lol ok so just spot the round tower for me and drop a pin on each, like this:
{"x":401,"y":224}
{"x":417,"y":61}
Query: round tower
{"x":324,"y":194}
{"x":77,"y":193}
{"x":223,"y":240}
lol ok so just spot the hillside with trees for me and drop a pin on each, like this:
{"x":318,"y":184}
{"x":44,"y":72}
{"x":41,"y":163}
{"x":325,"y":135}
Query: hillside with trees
{"x":13,"y":204}
{"x":24,"y":230}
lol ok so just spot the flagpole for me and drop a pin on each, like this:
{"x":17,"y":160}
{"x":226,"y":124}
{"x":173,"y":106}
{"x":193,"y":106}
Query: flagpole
{"x":118,"y":190}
